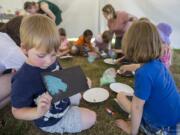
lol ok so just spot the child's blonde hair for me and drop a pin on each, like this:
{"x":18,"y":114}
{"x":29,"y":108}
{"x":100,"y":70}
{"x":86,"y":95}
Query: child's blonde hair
{"x":144,"y":19}
{"x":40,"y":32}
{"x":142,"y":43}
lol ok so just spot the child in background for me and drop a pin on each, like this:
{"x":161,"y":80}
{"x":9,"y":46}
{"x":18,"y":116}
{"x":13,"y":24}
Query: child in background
{"x":83,"y":44}
{"x":165,"y":31}
{"x":64,"y":44}
{"x":103,"y":43}
{"x":44,"y":7}
{"x":30,"y":99}
{"x":155,"y":106}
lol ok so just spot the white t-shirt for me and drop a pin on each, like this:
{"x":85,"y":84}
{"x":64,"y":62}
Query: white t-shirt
{"x":11,"y":56}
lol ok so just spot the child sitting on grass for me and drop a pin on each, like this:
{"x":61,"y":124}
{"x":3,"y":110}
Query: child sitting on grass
{"x":64,"y":43}
{"x":30,"y":99}
{"x":103,"y":43}
{"x":83,"y":45}
{"x":155,"y":107}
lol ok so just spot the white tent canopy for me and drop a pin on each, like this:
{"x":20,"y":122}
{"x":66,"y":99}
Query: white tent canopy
{"x":79,"y":15}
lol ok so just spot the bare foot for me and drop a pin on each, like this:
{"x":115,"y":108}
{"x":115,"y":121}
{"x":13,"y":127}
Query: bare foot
{"x":124,"y":125}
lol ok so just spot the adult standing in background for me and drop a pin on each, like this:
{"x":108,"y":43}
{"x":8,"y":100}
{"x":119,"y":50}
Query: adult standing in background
{"x":44,"y":7}
{"x":118,"y":22}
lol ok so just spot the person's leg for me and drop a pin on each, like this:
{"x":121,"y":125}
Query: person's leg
{"x":124,"y":102}
{"x":5,"y":101}
{"x":63,"y":53}
{"x":66,"y":52}
{"x":88,"y":118}
{"x":124,"y":125}
{"x":74,"y":121}
{"x":5,"y":88}
{"x":84,"y":51}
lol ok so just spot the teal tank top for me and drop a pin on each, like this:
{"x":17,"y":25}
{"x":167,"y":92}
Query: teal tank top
{"x":55,"y":9}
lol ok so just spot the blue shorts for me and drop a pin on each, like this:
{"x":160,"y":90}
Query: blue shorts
{"x":151,"y":130}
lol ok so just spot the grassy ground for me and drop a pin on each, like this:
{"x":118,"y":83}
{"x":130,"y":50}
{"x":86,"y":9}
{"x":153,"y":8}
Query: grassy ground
{"x":105,"y":122}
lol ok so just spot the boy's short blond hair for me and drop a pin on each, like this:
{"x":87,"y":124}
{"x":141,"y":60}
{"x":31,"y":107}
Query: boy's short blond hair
{"x":142,"y":43}
{"x":40,"y":32}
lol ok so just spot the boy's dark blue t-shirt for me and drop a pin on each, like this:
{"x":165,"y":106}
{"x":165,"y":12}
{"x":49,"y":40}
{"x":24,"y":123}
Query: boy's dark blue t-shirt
{"x":27,"y":85}
{"x":155,"y":85}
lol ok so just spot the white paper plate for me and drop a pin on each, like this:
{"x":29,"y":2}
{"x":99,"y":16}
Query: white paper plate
{"x":95,"y":95}
{"x":110,"y":61}
{"x":66,"y":57}
{"x":120,"y":87}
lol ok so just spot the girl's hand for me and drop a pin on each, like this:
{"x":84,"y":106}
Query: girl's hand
{"x":120,"y":59}
{"x":124,"y":68}
{"x":43,"y":104}
{"x":131,"y":67}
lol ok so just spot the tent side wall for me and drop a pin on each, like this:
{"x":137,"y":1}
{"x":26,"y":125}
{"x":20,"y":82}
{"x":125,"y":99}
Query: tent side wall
{"x":79,"y":15}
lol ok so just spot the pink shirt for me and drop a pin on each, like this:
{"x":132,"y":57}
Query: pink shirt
{"x":64,"y":44}
{"x":167,"y":56}
{"x":119,"y":25}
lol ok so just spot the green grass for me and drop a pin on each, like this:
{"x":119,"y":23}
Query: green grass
{"x":105,"y":122}
{"x":175,"y":68}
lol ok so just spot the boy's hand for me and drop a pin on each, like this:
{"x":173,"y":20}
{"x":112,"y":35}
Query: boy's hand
{"x":89,"y":82}
{"x":43,"y":104}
